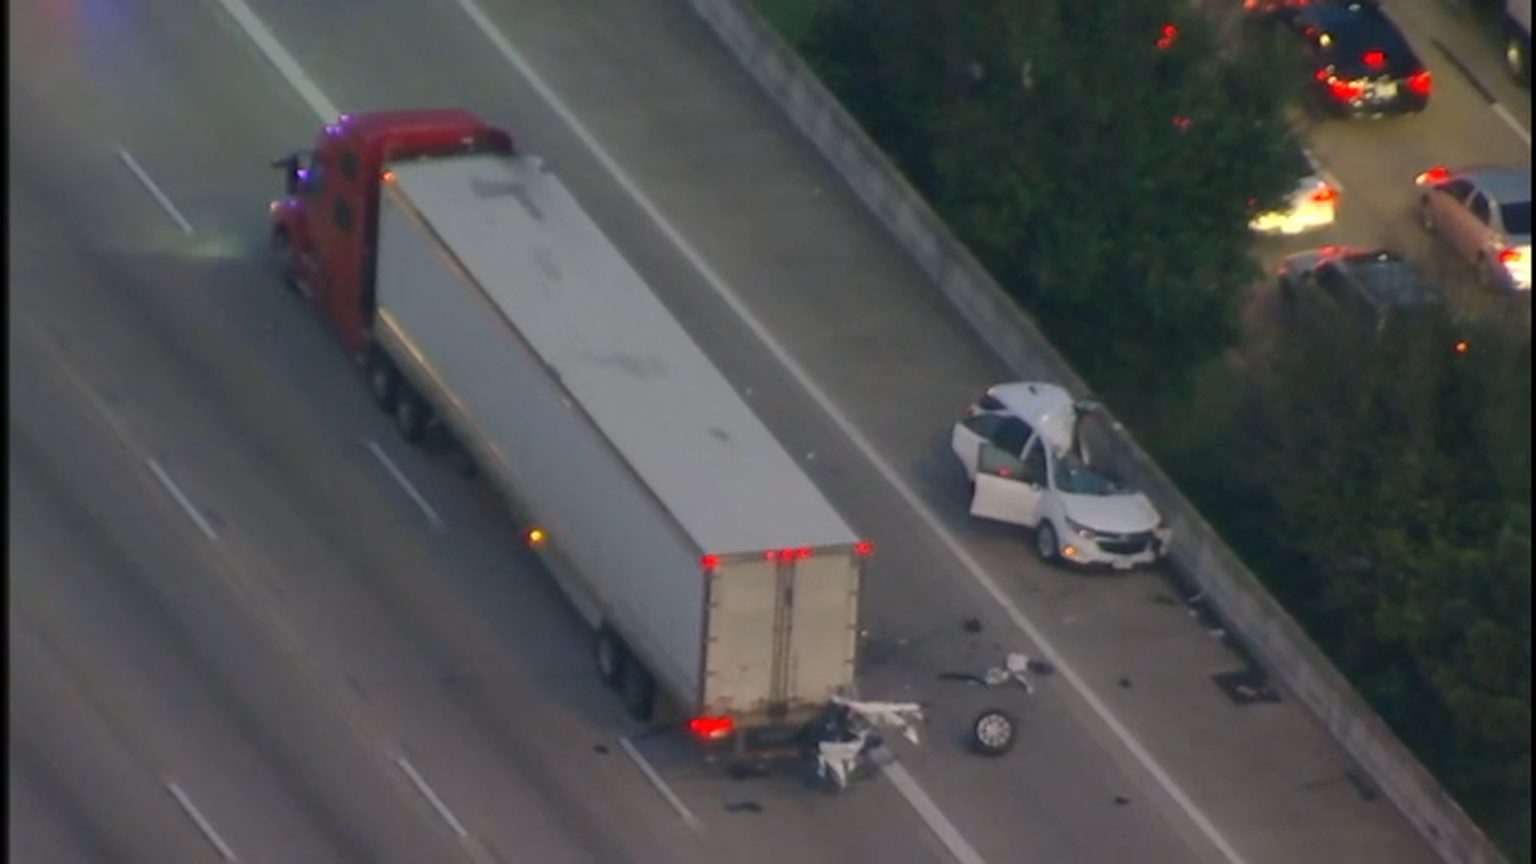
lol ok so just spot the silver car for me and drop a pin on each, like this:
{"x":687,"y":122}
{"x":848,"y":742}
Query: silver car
{"x":1484,"y":213}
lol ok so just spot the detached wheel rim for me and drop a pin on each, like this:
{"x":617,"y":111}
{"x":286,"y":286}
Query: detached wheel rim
{"x":994,"y":731}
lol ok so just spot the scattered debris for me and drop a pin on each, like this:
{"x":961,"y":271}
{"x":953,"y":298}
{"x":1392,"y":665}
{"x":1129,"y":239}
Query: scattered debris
{"x":743,"y":807}
{"x":971,"y":625}
{"x":1363,"y":784}
{"x":1164,"y":600}
{"x":746,"y":770}
{"x":993,"y":732}
{"x":1122,"y":800}
{"x":1015,"y":665}
{"x":962,"y":676}
{"x":1246,"y":686}
{"x":849,"y":733}
{"x":600,"y":748}
{"x":1125,"y":682}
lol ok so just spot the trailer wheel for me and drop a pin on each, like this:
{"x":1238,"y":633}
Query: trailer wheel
{"x":412,"y":414}
{"x":639,"y":689}
{"x":992,"y":732}
{"x":611,"y":657}
{"x":383,"y":380}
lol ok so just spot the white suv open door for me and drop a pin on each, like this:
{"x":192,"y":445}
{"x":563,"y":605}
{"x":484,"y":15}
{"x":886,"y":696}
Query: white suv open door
{"x":1003,"y":492}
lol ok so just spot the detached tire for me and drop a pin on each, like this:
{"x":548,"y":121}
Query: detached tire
{"x":611,"y":657}
{"x":639,"y":690}
{"x":993,"y":732}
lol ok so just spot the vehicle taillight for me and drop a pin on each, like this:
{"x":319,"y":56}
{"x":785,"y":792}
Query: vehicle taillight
{"x":1323,"y":194}
{"x":711,"y":728}
{"x":1419,"y":82}
{"x":1374,"y":59}
{"x":709,"y":562}
{"x":863,"y":547}
{"x":1510,"y":256}
{"x":1344,"y":90}
{"x":1433,"y":175}
{"x":787,"y":554}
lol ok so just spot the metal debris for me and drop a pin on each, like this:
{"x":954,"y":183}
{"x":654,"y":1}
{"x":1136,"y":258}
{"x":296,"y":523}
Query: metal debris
{"x":971,"y":625}
{"x":743,"y":807}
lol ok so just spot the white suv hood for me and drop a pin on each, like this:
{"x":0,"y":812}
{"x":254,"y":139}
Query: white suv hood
{"x":1120,"y":514}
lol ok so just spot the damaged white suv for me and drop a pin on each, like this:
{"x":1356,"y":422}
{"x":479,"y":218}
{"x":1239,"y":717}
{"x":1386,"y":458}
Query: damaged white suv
{"x":1028,"y":465}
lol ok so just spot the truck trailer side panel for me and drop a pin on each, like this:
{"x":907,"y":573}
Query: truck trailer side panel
{"x":481,"y":375}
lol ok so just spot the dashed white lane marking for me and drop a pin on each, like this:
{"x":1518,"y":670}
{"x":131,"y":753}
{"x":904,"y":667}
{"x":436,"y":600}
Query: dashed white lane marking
{"x":661,"y":786}
{"x":426,"y":792}
{"x":395,"y":472}
{"x":200,"y":821}
{"x":181,"y":498}
{"x":846,"y":426}
{"x":148,"y":183}
{"x":278,"y":56}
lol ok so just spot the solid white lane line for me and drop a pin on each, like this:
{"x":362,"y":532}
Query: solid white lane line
{"x":278,"y":56}
{"x":202,"y":823}
{"x":947,"y":833}
{"x":395,"y":472}
{"x":829,"y":407}
{"x":119,"y":430}
{"x":148,"y":183}
{"x":1513,"y":123}
{"x":660,"y":785}
{"x":431,"y":796}
{"x":182,"y":499}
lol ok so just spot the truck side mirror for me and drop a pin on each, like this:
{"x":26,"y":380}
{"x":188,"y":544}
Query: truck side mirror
{"x":290,"y":167}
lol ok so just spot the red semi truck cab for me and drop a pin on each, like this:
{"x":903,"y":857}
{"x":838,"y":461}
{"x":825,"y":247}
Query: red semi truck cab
{"x":325,"y":227}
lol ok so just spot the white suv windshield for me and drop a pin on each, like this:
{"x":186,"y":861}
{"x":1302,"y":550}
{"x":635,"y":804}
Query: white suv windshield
{"x":1075,"y":477}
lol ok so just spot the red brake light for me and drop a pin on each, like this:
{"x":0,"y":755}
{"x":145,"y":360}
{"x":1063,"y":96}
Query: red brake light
{"x":1433,"y":175}
{"x":711,"y":728}
{"x":771,"y":555}
{"x":1374,"y":59}
{"x":1345,"y":91}
{"x":803,"y":552}
{"x":1419,"y":82}
{"x":1324,"y":193}
{"x":710,"y":562}
{"x":1166,"y":37}
{"x":863,"y":547}
{"x":1507,"y":256}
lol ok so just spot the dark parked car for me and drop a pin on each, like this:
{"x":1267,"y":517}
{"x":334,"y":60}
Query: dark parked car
{"x":1370,"y":284}
{"x":1360,"y":64}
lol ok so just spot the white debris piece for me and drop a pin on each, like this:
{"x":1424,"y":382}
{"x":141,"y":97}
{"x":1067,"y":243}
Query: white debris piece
{"x":901,"y":715}
{"x":1013,"y":669}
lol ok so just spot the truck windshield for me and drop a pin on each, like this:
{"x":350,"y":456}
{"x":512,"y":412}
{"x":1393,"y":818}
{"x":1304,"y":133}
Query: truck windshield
{"x":1076,"y":477}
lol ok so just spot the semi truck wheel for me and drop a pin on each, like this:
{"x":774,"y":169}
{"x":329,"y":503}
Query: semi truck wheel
{"x":639,"y":690}
{"x":992,"y":732}
{"x":412,"y":414}
{"x":383,"y":380}
{"x":611,"y":657}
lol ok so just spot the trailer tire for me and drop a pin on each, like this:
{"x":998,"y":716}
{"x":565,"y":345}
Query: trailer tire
{"x":993,"y":732}
{"x":383,"y":380}
{"x":611,"y":657}
{"x":412,"y":415}
{"x":639,"y":689}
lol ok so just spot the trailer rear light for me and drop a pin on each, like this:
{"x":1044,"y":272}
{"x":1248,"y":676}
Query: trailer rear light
{"x":803,"y":552}
{"x":787,"y":554}
{"x":863,"y":547}
{"x":1419,"y":83}
{"x":1324,"y":194}
{"x":536,"y":537}
{"x":389,"y":176}
{"x":711,"y":728}
{"x":1433,"y":175}
{"x":710,"y":562}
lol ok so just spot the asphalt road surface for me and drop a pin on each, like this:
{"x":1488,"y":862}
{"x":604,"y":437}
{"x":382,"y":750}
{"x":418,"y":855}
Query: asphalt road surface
{"x":234,"y":630}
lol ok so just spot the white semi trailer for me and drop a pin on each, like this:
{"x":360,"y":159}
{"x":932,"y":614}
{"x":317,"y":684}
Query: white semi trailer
{"x":712,"y":570}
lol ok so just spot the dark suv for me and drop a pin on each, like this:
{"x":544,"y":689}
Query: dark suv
{"x":1360,"y":64}
{"x":1370,"y":284}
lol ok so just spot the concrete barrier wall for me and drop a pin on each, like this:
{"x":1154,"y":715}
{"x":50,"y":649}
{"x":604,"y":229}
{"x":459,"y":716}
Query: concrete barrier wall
{"x":1198,"y":555}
